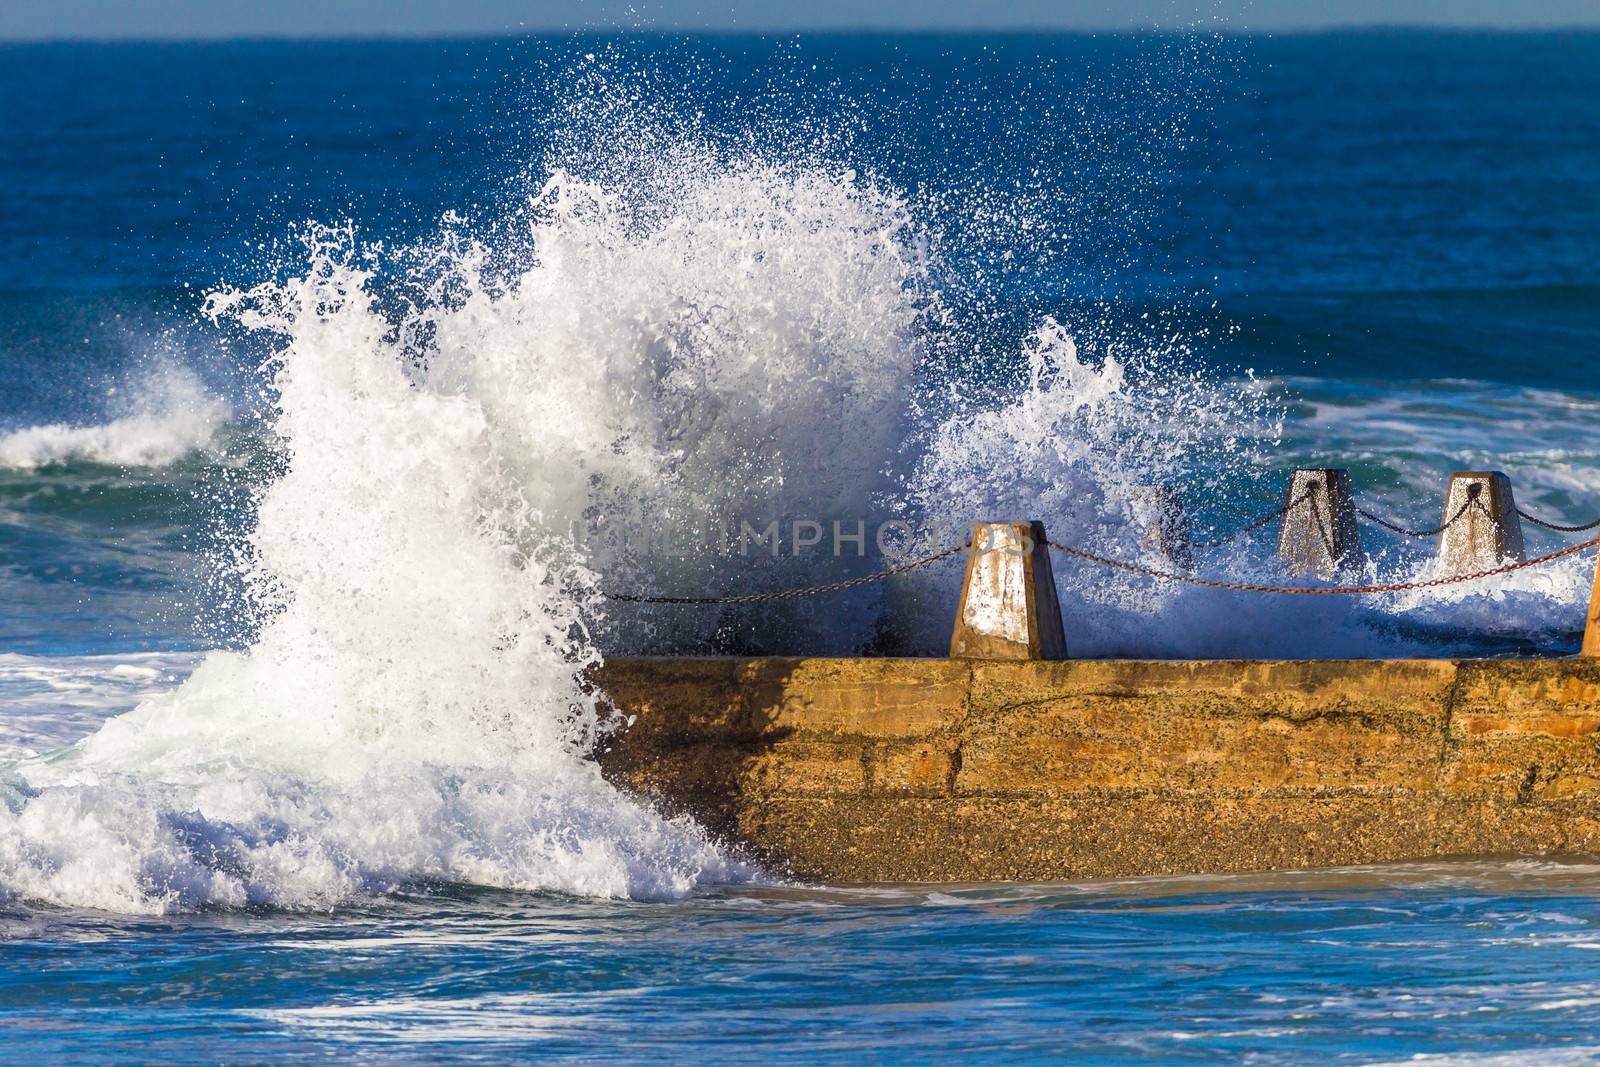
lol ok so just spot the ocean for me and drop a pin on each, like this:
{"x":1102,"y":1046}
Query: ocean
{"x":341,"y":382}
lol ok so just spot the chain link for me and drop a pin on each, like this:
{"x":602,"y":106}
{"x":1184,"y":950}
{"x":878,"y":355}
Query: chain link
{"x":1557,"y":527}
{"x":1276,"y":513}
{"x":789,"y":594}
{"x":1187,"y":579}
{"x":1121,"y":565}
{"x":1345,"y":590}
{"x":1386,"y":524}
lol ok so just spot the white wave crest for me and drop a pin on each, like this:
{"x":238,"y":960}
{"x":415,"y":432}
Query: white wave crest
{"x":170,"y":416}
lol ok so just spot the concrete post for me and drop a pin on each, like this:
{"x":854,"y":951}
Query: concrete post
{"x":1591,"y":631}
{"x":1008,"y":604}
{"x":1319,"y":534}
{"x":1159,"y":510}
{"x":1489,"y":531}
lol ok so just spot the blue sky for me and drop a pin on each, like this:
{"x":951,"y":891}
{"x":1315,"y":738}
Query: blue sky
{"x":44,"y":19}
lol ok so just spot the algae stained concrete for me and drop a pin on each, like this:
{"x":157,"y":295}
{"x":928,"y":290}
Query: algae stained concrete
{"x":849,"y":770}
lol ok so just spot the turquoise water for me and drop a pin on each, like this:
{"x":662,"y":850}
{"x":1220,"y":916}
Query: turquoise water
{"x":293,"y":758}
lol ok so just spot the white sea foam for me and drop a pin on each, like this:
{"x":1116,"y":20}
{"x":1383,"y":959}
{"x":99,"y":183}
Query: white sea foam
{"x":414,"y":707}
{"x":1535,"y":1053}
{"x":52,"y":701}
{"x":1077,"y":444}
{"x":163,"y":418}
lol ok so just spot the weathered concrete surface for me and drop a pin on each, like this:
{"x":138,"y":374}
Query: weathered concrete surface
{"x":1319,"y":533}
{"x":1488,"y":531}
{"x":1159,"y":510}
{"x":909,"y":770}
{"x":1008,"y":607}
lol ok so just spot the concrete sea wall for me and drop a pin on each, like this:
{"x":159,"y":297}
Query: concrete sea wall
{"x":941,"y":770}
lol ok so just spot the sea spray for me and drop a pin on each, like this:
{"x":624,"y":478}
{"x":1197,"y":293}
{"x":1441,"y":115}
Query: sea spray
{"x":164,"y":415}
{"x":471,"y":436}
{"x":736,"y":346}
{"x":1078,"y":441}
{"x":414,"y":708}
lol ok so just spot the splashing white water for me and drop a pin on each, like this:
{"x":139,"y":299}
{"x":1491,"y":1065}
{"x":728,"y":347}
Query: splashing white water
{"x":52,"y":701}
{"x":737,"y":344}
{"x":414,"y":707}
{"x":473,"y":446}
{"x":1080,"y":444}
{"x":165,"y":417}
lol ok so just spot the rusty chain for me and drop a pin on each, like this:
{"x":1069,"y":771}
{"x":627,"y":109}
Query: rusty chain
{"x":1379,"y":520}
{"x":1386,"y":524}
{"x":1170,"y":576}
{"x":1557,"y":527}
{"x":789,"y":594}
{"x":1331,"y":590}
{"x":1121,"y":565}
{"x":1276,"y":513}
{"x":1404,"y":531}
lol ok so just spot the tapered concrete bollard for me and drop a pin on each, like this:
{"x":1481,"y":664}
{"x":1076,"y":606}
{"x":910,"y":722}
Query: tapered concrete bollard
{"x":1591,"y":631}
{"x":1159,"y":511}
{"x":1319,"y":534}
{"x":1488,"y":533}
{"x":1008,"y":604}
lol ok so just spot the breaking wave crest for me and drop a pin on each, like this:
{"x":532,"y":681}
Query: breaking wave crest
{"x":414,"y":707}
{"x":168,"y":416}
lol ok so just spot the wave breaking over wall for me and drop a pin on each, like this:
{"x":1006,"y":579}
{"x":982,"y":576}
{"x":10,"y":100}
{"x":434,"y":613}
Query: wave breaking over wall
{"x":413,"y":709}
{"x":477,"y":436}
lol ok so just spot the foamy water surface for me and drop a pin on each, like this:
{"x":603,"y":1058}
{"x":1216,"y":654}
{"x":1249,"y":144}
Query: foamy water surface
{"x":306,"y":521}
{"x":1464,"y":963}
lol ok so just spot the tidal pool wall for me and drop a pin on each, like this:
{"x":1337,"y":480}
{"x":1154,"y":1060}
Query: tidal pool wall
{"x":853,"y":770}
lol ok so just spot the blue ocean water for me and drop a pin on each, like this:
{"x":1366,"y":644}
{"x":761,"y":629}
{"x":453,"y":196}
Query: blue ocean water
{"x":1371,"y":250}
{"x":1473,"y":963}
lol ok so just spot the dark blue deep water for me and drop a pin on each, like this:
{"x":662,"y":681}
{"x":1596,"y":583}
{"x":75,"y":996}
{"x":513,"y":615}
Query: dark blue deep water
{"x":1386,"y":246}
